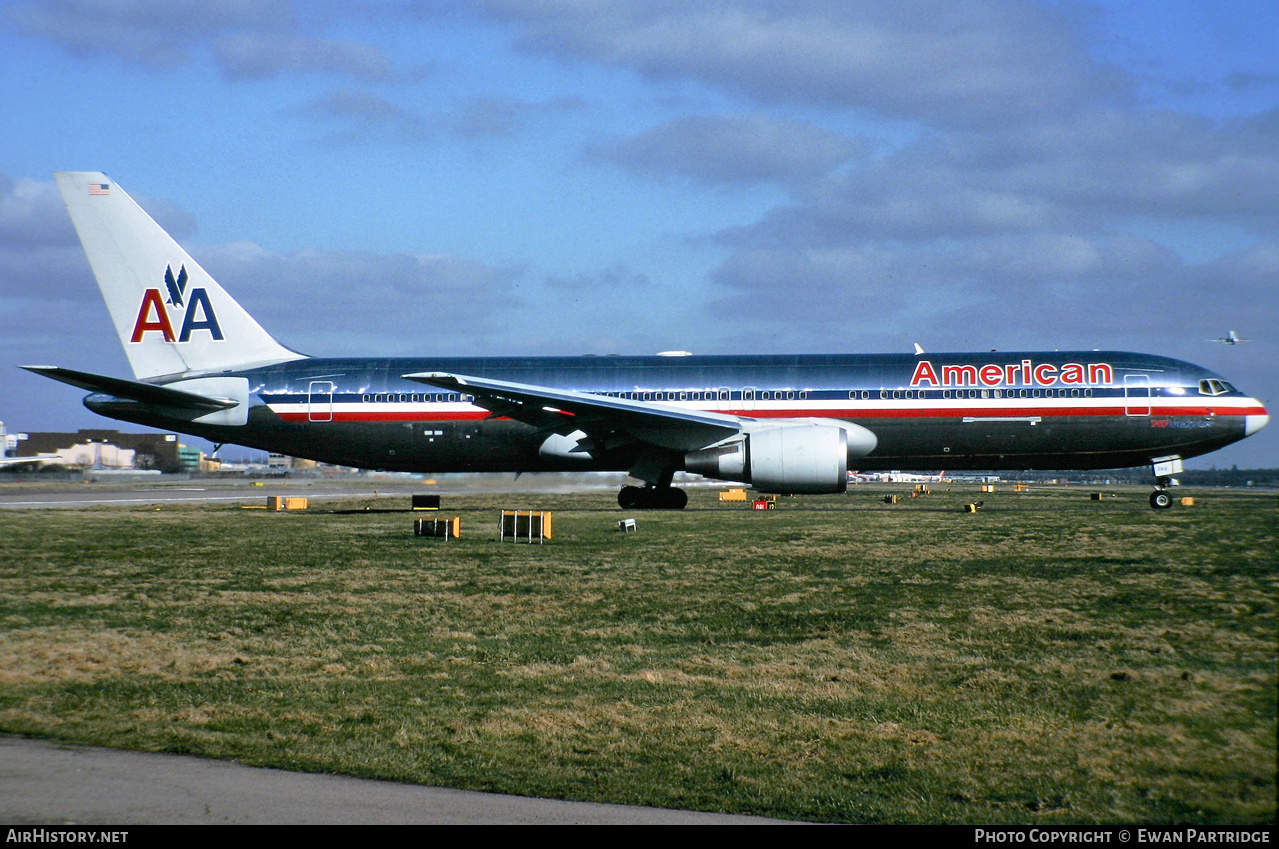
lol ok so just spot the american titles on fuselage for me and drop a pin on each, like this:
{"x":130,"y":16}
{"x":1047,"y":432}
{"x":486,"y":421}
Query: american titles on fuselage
{"x":1024,"y":373}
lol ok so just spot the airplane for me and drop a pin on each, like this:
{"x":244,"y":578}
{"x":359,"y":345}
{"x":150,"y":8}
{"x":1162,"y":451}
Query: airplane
{"x":898,"y":476}
{"x":1230,"y":338}
{"x":780,"y":423}
{"x":35,"y":459}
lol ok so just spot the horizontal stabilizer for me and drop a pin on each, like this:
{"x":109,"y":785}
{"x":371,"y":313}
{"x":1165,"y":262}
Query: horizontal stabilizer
{"x":145,"y":393}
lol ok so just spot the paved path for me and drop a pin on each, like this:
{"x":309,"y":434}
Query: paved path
{"x":48,"y":783}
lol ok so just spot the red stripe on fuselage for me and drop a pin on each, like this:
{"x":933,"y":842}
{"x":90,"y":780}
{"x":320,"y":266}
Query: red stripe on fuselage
{"x":1002,"y":412}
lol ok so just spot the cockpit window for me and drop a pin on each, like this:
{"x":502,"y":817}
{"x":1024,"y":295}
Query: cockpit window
{"x":1215,"y":387}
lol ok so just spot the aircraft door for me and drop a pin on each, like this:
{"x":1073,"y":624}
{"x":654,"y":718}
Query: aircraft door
{"x":320,"y":401}
{"x":1136,"y":394}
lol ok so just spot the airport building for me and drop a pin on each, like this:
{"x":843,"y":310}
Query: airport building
{"x":9,"y":442}
{"x":190,"y":458}
{"x":104,"y":449}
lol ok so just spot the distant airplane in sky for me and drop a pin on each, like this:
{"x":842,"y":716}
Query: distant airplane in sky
{"x":782,"y":423}
{"x":1230,"y":339}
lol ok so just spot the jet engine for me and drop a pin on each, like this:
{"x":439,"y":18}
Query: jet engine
{"x":800,"y":457}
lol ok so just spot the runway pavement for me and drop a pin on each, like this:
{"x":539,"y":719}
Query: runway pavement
{"x":138,"y":495}
{"x":150,"y":491}
{"x":157,"y":491}
{"x":52,"y":784}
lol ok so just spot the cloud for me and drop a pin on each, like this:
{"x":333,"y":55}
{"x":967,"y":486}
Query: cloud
{"x":254,"y":55}
{"x":150,"y":33}
{"x":989,"y":61}
{"x":484,"y":117}
{"x":1015,"y":290}
{"x":1245,"y":81}
{"x":717,"y":149}
{"x":248,"y":39}
{"x":384,"y":304}
{"x":363,"y":114}
{"x":610,"y":282}
{"x":820,"y":293}
{"x":1151,"y":162}
{"x":1099,"y":172}
{"x":32,"y":216}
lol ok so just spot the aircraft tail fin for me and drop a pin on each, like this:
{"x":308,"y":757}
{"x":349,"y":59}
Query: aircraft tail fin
{"x":171,"y":316}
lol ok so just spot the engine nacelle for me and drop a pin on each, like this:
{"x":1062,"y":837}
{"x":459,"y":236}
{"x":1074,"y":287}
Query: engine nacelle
{"x":804,"y":457}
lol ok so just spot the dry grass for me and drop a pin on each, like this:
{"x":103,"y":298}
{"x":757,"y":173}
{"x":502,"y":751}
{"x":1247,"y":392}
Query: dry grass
{"x":1047,"y":660}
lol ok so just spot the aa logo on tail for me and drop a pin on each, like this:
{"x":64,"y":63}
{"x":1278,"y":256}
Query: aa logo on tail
{"x":198,"y":313}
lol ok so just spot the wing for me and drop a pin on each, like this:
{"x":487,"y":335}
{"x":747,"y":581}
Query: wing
{"x":606,"y":421}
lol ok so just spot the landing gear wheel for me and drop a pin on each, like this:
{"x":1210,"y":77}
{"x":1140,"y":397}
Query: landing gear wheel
{"x":674,"y":499}
{"x":652,"y":498}
{"x":1160,"y":500}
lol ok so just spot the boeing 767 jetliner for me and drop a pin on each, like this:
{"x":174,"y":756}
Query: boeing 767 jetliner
{"x":784,"y":424}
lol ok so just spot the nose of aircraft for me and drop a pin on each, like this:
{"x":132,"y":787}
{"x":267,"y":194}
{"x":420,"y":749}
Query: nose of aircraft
{"x":1252,"y":424}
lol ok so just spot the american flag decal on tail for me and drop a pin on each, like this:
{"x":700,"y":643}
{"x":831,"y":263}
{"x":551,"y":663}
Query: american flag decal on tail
{"x":99,"y":189}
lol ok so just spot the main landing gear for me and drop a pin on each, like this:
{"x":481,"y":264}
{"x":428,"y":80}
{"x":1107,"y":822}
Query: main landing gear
{"x":652,"y":498}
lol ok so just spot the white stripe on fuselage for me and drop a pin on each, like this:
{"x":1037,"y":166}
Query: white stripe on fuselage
{"x":843,"y":408}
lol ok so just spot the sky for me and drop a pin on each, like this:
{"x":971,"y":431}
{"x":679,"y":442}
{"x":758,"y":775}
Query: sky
{"x":552,"y":177}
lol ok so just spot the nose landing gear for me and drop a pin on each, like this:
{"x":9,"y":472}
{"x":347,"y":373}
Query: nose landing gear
{"x":1164,"y":469}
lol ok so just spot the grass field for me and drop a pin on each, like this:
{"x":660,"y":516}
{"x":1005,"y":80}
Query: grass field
{"x":1049,"y":659}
